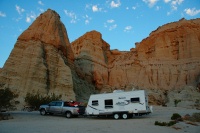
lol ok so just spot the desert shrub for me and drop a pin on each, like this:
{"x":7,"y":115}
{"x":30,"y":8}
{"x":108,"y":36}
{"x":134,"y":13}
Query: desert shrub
{"x":171,"y":123}
{"x":160,"y":123}
{"x":196,"y":117}
{"x":7,"y":98}
{"x":164,"y":123}
{"x":36,"y":100}
{"x":176,"y":101}
{"x":176,"y":116}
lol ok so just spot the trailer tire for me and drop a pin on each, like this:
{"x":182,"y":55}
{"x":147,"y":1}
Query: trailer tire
{"x":116,"y":116}
{"x":125,"y":116}
{"x":68,"y":114}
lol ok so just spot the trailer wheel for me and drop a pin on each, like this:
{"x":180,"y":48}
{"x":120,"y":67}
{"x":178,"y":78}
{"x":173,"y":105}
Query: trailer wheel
{"x":68,"y":114}
{"x":125,"y":116}
{"x":116,"y":116}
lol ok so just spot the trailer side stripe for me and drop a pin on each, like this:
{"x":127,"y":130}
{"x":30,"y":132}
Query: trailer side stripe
{"x":94,"y":108}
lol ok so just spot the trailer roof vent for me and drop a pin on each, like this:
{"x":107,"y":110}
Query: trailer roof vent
{"x":117,"y":91}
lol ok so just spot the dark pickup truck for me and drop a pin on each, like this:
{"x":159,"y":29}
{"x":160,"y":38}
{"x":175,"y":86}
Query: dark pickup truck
{"x":63,"y":108}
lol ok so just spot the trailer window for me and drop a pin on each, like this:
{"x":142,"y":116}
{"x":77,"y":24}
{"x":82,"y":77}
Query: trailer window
{"x":109,"y":103}
{"x":95,"y":103}
{"x":135,"y":100}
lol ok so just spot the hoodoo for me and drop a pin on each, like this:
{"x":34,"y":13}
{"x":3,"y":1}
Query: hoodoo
{"x":40,"y":60}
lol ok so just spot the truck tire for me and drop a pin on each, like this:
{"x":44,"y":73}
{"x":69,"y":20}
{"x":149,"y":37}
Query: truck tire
{"x":68,"y":114}
{"x":125,"y":116}
{"x":43,"y":112}
{"x":116,"y":116}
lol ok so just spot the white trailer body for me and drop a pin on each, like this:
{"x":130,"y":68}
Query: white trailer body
{"x":119,"y":103}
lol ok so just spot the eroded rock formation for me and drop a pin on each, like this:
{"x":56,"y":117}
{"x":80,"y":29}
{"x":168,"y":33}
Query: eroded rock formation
{"x":165,"y":63}
{"x":91,"y":59}
{"x":41,"y":61}
{"x":167,"y":60}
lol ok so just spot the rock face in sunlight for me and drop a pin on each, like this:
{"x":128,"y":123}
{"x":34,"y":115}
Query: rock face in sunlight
{"x":41,"y":60}
{"x":170,"y":56}
{"x":166,"y":64}
{"x":91,"y":61}
{"x":167,"y":60}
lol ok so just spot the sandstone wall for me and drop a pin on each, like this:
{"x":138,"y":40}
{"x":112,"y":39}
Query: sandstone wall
{"x":91,"y":60}
{"x":167,"y":60}
{"x":170,"y":57}
{"x":40,"y":60}
{"x":33,"y":66}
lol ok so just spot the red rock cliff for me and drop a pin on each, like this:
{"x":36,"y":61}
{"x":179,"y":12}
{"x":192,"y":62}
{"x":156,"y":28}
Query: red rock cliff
{"x":166,"y":60}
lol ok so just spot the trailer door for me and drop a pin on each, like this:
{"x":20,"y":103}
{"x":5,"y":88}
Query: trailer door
{"x":138,"y":104}
{"x":95,"y":107}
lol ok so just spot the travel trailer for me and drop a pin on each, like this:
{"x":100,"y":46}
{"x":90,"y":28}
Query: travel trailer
{"x":119,"y":104}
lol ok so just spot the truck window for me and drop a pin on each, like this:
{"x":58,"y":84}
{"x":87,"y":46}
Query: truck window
{"x":58,"y":103}
{"x":108,"y":103}
{"x":95,"y":103}
{"x":52,"y":103}
{"x":135,"y":100}
{"x":66,"y":104}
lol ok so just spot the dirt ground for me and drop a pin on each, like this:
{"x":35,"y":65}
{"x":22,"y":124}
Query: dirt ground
{"x":33,"y":122}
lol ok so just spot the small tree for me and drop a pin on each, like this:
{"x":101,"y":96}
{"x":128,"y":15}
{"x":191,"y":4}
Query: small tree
{"x":6,"y":98}
{"x":176,"y":102}
{"x":36,"y":100}
{"x":176,"y":116}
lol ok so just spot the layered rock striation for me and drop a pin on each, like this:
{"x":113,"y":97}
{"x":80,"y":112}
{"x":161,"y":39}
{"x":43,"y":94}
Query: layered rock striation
{"x":41,"y":60}
{"x":91,"y":62}
{"x":44,"y":61}
{"x":167,"y":60}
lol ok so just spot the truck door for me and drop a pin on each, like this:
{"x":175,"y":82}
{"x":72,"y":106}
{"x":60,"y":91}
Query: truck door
{"x":55,"y":107}
{"x":58,"y":107}
{"x":51,"y":108}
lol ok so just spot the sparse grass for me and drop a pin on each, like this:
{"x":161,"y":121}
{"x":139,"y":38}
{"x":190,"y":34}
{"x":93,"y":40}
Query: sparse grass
{"x":194,"y":118}
{"x":177,"y":117}
{"x":177,"y":128}
{"x":192,"y":123}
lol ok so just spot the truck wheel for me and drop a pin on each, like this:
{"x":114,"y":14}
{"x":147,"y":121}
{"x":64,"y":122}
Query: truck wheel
{"x":125,"y":116}
{"x":68,"y":114}
{"x":116,"y":116}
{"x":43,"y":112}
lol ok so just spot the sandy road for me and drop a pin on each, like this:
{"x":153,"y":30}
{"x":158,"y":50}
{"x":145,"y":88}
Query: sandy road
{"x":33,"y":122}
